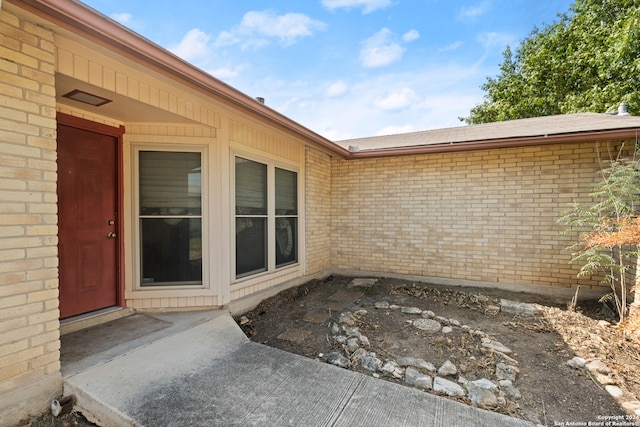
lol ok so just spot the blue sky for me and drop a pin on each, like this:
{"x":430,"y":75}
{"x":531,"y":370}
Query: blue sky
{"x":345,"y":68}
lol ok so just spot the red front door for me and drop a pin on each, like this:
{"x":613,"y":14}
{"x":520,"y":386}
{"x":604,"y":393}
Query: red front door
{"x":87,"y":208}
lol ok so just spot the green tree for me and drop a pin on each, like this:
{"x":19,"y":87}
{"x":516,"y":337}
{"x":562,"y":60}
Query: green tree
{"x":588,"y":60}
{"x":610,"y":230}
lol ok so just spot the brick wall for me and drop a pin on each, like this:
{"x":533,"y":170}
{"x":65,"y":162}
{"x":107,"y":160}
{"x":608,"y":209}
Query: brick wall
{"x":318,"y":211}
{"x":29,"y":327}
{"x":487,"y":216}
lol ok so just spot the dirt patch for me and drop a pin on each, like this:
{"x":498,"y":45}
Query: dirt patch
{"x":73,"y":419}
{"x":300,"y":320}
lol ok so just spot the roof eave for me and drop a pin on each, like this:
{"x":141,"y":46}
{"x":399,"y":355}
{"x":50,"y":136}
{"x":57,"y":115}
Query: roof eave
{"x":604,"y":135}
{"x":81,"y":19}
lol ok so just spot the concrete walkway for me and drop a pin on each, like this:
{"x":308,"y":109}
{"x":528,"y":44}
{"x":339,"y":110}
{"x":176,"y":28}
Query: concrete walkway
{"x":209,"y":374}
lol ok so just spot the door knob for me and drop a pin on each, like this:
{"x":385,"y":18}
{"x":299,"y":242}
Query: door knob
{"x":112,"y":235}
{"x":111,"y":222}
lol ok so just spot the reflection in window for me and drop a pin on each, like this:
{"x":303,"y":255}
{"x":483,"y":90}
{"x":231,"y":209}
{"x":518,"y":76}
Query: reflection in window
{"x":170,"y":218}
{"x":286,"y":190}
{"x":255,"y":221}
{"x":251,"y":217}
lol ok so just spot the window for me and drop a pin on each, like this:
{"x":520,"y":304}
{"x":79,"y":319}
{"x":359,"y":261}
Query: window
{"x":251,"y":217}
{"x":170,"y":218}
{"x":266,"y":217}
{"x":286,"y":217}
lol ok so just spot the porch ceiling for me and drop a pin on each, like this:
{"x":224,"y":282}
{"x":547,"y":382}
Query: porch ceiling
{"x":122,"y":109}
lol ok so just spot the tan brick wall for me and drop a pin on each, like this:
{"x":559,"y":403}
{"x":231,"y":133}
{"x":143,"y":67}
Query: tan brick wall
{"x":29,"y":326}
{"x":487,"y":216}
{"x":318,"y":211}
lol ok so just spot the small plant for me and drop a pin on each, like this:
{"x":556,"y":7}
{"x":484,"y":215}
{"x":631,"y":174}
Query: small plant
{"x":608,"y":244}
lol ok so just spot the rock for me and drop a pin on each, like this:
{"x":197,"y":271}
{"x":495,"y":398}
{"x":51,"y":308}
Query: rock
{"x":428,"y":314}
{"x":462,"y":380}
{"x":447,"y":330}
{"x":454,"y":322}
{"x":506,"y":372}
{"x":442,"y":320}
{"x":632,"y":406}
{"x":486,"y":384}
{"x":340,"y":339}
{"x":447,"y":387}
{"x":515,"y":307}
{"x":371,"y":363}
{"x":393,"y":369}
{"x":447,"y":369}
{"x":382,"y":305}
{"x":338,"y":359}
{"x":506,"y":358}
{"x":603,"y":324}
{"x":353,"y":344}
{"x":359,"y":313}
{"x":501,"y":401}
{"x":492,"y":310}
{"x":614,"y":391}
{"x":411,"y":310}
{"x":394,"y":307}
{"x":335,"y":328}
{"x":510,"y":390}
{"x":416,"y":378}
{"x":351,"y":331}
{"x":416,"y":363}
{"x":346,"y":319}
{"x":244,"y":320}
{"x":427,"y":325}
{"x":359,"y":282}
{"x":480,"y":396}
{"x":597,"y":366}
{"x":603,"y":379}
{"x":496,"y":346}
{"x":576,"y":362}
{"x":359,"y":354}
{"x":364,"y":340}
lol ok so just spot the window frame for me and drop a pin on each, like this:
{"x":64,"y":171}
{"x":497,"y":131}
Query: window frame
{"x":137,"y":216}
{"x":271,"y":165}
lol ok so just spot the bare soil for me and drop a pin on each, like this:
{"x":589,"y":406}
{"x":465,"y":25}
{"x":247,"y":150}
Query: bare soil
{"x":73,"y":419}
{"x":298,"y":320}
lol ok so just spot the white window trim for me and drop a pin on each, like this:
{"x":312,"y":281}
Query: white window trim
{"x":272,"y":270}
{"x":136,"y":148}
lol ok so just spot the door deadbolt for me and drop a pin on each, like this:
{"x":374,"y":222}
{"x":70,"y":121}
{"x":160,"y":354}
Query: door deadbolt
{"x":112,"y":235}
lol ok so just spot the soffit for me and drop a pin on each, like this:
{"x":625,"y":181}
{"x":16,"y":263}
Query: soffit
{"x":122,"y":109}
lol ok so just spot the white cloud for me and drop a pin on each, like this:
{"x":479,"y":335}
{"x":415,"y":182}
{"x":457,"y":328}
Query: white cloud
{"x":123,"y":18}
{"x":473,"y":12}
{"x":336,"y":89}
{"x":451,"y":47}
{"x":380,"y":50}
{"x":368,"y":6}
{"x":438,"y":95}
{"x":193,"y":46}
{"x":410,"y":36}
{"x":492,"y":39}
{"x":398,"y":100}
{"x":257,"y":29}
{"x":225,"y":72}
